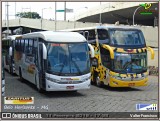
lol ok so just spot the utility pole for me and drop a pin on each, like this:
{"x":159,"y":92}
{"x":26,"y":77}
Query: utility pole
{"x":7,"y":20}
{"x":55,"y":15}
{"x":15,"y":10}
{"x":100,"y":15}
{"x":135,"y":13}
{"x":64,"y":11}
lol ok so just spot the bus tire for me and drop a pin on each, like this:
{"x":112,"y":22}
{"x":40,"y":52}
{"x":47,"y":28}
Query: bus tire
{"x":95,"y":74}
{"x":98,"y":82}
{"x":92,"y":82}
{"x":10,"y":70}
{"x":20,"y":75}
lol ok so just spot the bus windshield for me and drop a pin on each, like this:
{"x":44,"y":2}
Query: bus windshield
{"x":67,"y":59}
{"x":130,"y":63}
{"x":126,"y":37}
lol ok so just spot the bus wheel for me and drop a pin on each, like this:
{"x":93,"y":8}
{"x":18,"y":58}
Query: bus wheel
{"x":10,"y":70}
{"x":93,"y":82}
{"x":20,"y":75}
{"x":98,"y":82}
{"x":40,"y":90}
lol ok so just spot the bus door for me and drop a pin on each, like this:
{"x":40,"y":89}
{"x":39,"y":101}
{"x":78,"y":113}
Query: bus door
{"x":40,"y":72}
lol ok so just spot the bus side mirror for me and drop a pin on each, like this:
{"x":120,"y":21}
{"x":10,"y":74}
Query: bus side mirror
{"x":91,"y":50}
{"x":44,"y":51}
{"x":10,"y":51}
{"x":94,"y":62}
{"x":152,"y":52}
{"x":86,"y":35}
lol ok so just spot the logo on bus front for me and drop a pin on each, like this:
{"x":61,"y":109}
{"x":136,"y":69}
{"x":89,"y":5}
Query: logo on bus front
{"x":68,"y":79}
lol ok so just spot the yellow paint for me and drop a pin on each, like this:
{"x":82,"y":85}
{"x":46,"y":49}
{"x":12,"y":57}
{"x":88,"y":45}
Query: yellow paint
{"x":110,"y":50}
{"x":120,"y":83}
{"x":18,"y":102}
{"x":74,"y":78}
{"x":152,"y":52}
{"x":105,"y":75}
{"x":31,"y":68}
{"x":121,"y":50}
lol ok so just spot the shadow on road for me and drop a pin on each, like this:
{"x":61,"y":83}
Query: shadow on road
{"x":121,"y":89}
{"x":51,"y":94}
{"x":62,"y":94}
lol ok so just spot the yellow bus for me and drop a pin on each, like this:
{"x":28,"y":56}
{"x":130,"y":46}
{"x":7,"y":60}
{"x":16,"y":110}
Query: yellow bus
{"x":120,"y":55}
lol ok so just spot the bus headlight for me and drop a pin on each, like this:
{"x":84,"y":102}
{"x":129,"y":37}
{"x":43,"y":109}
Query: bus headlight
{"x":116,"y":77}
{"x":85,"y":79}
{"x":52,"y":80}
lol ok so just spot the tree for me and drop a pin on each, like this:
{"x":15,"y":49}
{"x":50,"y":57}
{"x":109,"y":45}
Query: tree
{"x":33,"y":15}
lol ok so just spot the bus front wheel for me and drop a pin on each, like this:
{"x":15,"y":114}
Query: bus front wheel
{"x":96,"y":79}
{"x":98,"y":82}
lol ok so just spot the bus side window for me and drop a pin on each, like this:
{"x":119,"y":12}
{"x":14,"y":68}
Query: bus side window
{"x":92,"y":36}
{"x":35,"y":50}
{"x":30,"y":47}
{"x":105,"y":56}
{"x":26,"y":46}
{"x":103,"y":36}
{"x":16,"y":44}
{"x":22,"y":45}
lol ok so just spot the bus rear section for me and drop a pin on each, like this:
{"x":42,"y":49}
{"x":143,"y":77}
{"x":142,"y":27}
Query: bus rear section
{"x":54,"y":61}
{"x":3,"y":78}
{"x":7,"y":52}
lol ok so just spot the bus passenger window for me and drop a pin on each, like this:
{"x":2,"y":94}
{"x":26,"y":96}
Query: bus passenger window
{"x":30,"y":48}
{"x":91,"y":37}
{"x":103,"y":36}
{"x":22,"y":45}
{"x":26,"y":46}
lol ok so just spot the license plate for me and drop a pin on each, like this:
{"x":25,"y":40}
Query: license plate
{"x":131,"y":84}
{"x":70,"y":87}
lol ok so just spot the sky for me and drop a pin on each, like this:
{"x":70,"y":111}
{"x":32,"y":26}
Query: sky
{"x":49,"y":12}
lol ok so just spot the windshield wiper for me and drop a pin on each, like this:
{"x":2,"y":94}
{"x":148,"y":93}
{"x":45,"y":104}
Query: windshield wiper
{"x":60,"y":72}
{"x":79,"y":71}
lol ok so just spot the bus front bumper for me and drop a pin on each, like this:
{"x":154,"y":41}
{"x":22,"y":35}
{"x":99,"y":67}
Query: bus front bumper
{"x":118,"y":83}
{"x":52,"y":86}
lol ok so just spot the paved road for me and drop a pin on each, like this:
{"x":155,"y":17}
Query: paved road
{"x":94,"y":100}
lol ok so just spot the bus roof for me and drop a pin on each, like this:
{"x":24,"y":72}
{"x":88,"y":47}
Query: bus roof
{"x":58,"y":36}
{"x":12,"y":37}
{"x":105,"y":27}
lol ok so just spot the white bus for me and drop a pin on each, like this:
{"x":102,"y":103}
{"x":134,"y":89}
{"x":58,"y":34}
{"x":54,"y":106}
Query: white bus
{"x":54,"y":61}
{"x":6,"y":52}
{"x":3,"y":78}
